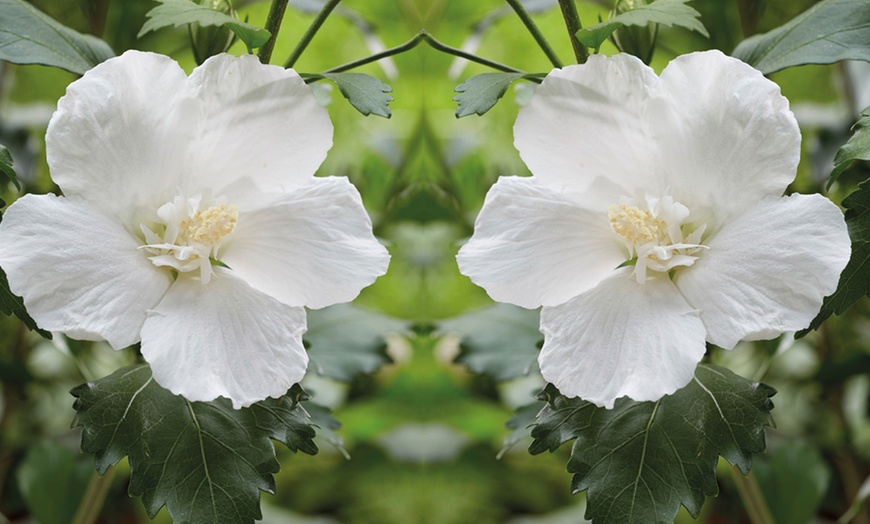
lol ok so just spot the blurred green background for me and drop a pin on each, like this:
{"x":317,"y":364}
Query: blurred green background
{"x":423,"y":432}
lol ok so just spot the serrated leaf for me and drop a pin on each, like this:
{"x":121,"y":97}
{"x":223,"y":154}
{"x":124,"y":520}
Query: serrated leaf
{"x":177,"y":13}
{"x":501,"y":341}
{"x":11,"y":304}
{"x":364,"y":92}
{"x":665,"y":12}
{"x":29,"y":36}
{"x":520,"y":423}
{"x":857,"y":148}
{"x":205,"y":461}
{"x":346,"y":341}
{"x":325,"y":424}
{"x":855,"y":279}
{"x":480,"y":93}
{"x":6,"y":166}
{"x":830,"y":31}
{"x":640,"y":460}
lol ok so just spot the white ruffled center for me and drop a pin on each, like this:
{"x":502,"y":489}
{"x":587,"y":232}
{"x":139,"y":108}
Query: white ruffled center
{"x":653,"y":234}
{"x":187,"y":235}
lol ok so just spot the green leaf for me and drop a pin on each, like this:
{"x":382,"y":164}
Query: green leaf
{"x":793,"y":479}
{"x":6,"y":166}
{"x":520,"y":424}
{"x":29,"y":36}
{"x":828,"y":32}
{"x":480,"y":93}
{"x":11,"y":304}
{"x":855,"y":279}
{"x":640,"y":460}
{"x":346,"y":341}
{"x":325,"y":425}
{"x":177,"y":13}
{"x":857,"y":148}
{"x":206,"y":461}
{"x":501,"y":341}
{"x":364,"y":92}
{"x":52,"y":481}
{"x":665,"y":12}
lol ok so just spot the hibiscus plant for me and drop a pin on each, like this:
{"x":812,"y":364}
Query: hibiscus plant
{"x":656,"y":251}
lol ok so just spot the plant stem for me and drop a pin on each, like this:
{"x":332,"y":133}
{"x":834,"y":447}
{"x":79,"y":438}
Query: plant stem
{"x":95,"y":495}
{"x":410,"y":44}
{"x":420,"y":37}
{"x":750,"y":495}
{"x":536,"y":33}
{"x":444,"y":48}
{"x":572,"y":22}
{"x":273,"y":25}
{"x":310,"y":32}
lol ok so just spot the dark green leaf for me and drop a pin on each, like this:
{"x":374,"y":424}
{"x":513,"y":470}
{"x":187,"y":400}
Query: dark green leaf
{"x":346,"y":341}
{"x":11,"y":304}
{"x":6,"y":166}
{"x":364,"y":92}
{"x":857,"y":148}
{"x":206,"y":461}
{"x":793,"y":479}
{"x":479,"y":93}
{"x":29,"y":36}
{"x":501,"y":341}
{"x":325,"y":425}
{"x":828,"y":32}
{"x":665,"y":12}
{"x":177,"y":13}
{"x":640,"y":460}
{"x":855,"y":279}
{"x":52,"y":481}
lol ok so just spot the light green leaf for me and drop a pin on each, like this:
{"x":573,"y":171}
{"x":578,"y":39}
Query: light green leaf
{"x":52,"y":481}
{"x":346,"y":341}
{"x":6,"y":167}
{"x":640,"y":460}
{"x":793,"y":479}
{"x":855,"y":279}
{"x":11,"y":304}
{"x":828,"y":32}
{"x":29,"y":36}
{"x":501,"y":341}
{"x":177,"y":13}
{"x":206,"y":461}
{"x":857,"y":148}
{"x":480,"y":93}
{"x":364,"y":92}
{"x":665,"y":12}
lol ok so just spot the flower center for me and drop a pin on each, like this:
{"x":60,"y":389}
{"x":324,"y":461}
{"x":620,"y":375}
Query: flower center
{"x":654,"y":234}
{"x":187,"y":237}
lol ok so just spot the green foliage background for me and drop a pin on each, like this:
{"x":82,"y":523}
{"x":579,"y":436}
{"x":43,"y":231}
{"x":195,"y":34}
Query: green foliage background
{"x":424,"y":432}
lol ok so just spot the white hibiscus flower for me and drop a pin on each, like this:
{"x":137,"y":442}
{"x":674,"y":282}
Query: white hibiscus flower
{"x":654,"y":222}
{"x":191,"y":221}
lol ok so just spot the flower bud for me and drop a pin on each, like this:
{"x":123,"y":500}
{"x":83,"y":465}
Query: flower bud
{"x":634,"y":40}
{"x":212,"y":40}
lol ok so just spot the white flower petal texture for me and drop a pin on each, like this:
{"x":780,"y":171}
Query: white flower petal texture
{"x":655,"y":222}
{"x":169,"y":181}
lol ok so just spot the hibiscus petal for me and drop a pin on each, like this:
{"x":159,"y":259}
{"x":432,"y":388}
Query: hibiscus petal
{"x":767,"y":271}
{"x":534,"y":246}
{"x":119,"y":135}
{"x":620,"y":339}
{"x":260,"y":127}
{"x":587,"y":122}
{"x":726,"y":133}
{"x":312,"y":247}
{"x":78,"y":272}
{"x":224,"y":339}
